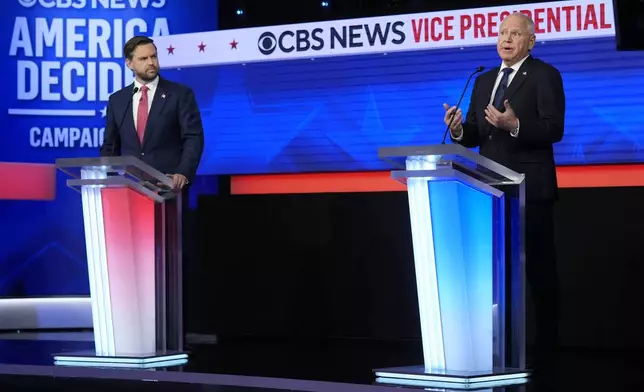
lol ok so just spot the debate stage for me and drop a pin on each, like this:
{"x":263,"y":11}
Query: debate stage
{"x":26,"y":364}
{"x":326,"y":324}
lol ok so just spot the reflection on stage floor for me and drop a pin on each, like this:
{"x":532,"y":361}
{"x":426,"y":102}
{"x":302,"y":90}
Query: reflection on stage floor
{"x":248,"y":365}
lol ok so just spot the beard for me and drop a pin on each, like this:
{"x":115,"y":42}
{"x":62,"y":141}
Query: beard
{"x":147,"y":76}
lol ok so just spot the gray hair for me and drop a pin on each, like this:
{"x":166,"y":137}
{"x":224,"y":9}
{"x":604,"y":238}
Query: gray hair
{"x":527,"y":20}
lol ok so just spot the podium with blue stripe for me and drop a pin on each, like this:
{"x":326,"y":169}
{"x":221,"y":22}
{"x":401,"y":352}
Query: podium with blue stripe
{"x":467,"y":226}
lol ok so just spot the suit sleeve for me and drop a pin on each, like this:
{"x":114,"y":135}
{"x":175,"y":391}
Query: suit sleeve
{"x":191,"y":135}
{"x":111,"y":137}
{"x":470,"y":137}
{"x":551,"y":107}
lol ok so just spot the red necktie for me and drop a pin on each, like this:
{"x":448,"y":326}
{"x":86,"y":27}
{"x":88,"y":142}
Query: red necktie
{"x":142,"y":113}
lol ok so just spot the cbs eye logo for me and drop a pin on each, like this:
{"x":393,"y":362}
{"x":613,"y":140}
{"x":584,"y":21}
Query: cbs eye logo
{"x":267,"y":43}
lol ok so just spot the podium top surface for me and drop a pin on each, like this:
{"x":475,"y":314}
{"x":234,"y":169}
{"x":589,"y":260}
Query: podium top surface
{"x":452,"y":156}
{"x":121,"y":165}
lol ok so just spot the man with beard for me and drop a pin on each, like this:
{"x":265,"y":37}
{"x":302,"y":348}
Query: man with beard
{"x":159,"y":122}
{"x":154,"y":119}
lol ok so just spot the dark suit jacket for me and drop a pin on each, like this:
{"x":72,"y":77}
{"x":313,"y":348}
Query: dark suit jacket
{"x":173,"y":141}
{"x":536,"y":95}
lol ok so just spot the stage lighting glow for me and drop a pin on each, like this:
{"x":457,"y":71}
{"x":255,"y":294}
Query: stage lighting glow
{"x":151,"y":362}
{"x":425,"y":263}
{"x":454,"y":269}
{"x":108,"y":365}
{"x":455,"y":383}
{"x":97,"y":260}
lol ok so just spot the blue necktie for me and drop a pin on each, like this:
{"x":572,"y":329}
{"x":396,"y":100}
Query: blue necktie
{"x":499,"y":97}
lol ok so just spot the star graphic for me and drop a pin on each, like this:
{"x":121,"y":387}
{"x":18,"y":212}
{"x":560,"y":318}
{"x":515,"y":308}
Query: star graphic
{"x":202,"y":47}
{"x":233,"y":45}
{"x":171,"y":49}
{"x":103,"y":111}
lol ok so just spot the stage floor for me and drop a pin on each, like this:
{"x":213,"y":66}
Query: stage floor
{"x":247,"y":365}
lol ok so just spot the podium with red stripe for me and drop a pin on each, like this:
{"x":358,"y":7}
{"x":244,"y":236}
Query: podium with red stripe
{"x":132,"y":226}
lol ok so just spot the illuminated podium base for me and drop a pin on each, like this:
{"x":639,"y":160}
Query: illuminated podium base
{"x":418,"y":376}
{"x":152,"y":360}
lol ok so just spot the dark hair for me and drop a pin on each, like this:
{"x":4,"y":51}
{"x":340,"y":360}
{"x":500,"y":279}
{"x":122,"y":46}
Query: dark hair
{"x":133,"y":43}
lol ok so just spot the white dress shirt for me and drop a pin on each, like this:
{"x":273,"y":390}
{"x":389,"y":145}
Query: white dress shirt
{"x":515,"y":69}
{"x":152,"y":88}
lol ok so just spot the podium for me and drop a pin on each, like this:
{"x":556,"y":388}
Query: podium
{"x":132,"y":224}
{"x":467,"y":226}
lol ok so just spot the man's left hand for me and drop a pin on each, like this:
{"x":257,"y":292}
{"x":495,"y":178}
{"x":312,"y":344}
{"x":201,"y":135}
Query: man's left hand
{"x":178,"y":181}
{"x":506,"y":120}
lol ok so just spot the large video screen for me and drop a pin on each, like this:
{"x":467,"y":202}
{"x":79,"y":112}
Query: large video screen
{"x":333,"y":113}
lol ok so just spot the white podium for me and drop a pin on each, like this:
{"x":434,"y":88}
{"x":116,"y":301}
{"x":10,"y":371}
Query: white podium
{"x":467,"y":228}
{"x":133,"y":238}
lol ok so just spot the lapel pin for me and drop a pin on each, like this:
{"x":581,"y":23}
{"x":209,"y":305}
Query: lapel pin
{"x":163,"y":95}
{"x":525,"y":73}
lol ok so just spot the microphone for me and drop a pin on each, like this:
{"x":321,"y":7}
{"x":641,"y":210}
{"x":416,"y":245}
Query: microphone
{"x":127,"y":108}
{"x":479,"y":69}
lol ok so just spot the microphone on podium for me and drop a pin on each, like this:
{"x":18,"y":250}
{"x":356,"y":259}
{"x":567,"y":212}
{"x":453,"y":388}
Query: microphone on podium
{"x":479,"y":69}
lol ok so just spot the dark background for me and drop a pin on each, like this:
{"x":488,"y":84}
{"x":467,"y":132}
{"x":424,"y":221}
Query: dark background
{"x":340,"y":266}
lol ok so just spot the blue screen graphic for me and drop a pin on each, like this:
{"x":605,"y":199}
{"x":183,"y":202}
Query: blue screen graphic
{"x":65,"y":58}
{"x":332,"y":114}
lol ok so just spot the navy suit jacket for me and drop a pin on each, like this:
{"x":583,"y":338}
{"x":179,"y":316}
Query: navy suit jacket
{"x":536,"y":95}
{"x":173,"y":140}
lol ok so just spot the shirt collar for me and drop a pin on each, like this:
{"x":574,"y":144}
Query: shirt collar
{"x":516,"y":66}
{"x":151,"y":85}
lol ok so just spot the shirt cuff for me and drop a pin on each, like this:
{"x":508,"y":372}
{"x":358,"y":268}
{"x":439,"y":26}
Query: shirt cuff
{"x":459,"y":138}
{"x":515,"y":132}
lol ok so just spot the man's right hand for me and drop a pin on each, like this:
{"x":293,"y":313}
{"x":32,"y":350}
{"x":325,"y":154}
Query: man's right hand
{"x":456,"y":123}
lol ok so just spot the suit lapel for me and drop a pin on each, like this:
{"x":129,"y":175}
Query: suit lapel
{"x":522,"y":74}
{"x":158,"y":102}
{"x":128,"y":112}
